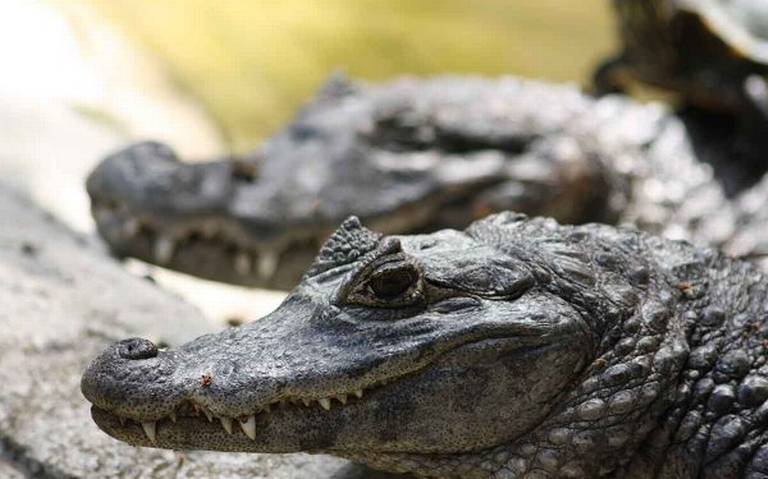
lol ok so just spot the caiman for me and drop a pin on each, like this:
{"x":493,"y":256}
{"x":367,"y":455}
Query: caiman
{"x":415,"y":156}
{"x":517,"y":348}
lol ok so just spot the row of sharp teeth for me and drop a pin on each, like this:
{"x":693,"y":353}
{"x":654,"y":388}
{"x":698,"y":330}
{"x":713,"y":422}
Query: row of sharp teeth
{"x":247,"y":423}
{"x":164,"y":247}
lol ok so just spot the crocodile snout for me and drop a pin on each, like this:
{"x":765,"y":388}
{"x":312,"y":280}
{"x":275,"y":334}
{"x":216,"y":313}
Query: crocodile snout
{"x":136,"y":348}
{"x":128,"y":376}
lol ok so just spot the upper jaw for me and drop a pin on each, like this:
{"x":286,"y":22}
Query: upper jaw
{"x":294,"y":368}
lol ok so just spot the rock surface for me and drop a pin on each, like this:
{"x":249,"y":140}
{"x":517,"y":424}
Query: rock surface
{"x":106,"y":94}
{"x":63,"y":301}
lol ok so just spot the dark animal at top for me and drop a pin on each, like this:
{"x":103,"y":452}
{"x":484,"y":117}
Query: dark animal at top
{"x":713,"y":53}
{"x":517,"y":348}
{"x":420,"y":155}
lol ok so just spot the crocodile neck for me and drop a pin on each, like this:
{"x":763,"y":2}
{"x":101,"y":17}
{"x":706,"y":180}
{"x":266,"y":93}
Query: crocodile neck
{"x":677,"y":392}
{"x":715,"y":426}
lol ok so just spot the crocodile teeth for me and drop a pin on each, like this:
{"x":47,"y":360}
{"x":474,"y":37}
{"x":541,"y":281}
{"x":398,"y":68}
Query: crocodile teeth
{"x":208,"y":414}
{"x":267,"y":408}
{"x":209,"y":230}
{"x":131,"y":227}
{"x":243,"y":264}
{"x":249,"y":427}
{"x":172,"y":416}
{"x":342,"y":398}
{"x":163,"y":249}
{"x":325,"y":403}
{"x":267,"y":264}
{"x":150,"y":429}
{"x":306,"y":402}
{"x":226,"y":423}
{"x":359,"y":393}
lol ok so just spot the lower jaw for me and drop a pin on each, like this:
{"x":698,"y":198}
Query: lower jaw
{"x":191,"y":433}
{"x":238,"y":442}
{"x":217,"y":262}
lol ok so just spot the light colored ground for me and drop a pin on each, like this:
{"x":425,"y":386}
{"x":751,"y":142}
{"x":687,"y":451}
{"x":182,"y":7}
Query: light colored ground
{"x":72,"y":90}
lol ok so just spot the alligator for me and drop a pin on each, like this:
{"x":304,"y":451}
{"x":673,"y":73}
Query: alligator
{"x":516,"y":348}
{"x":418,"y":155}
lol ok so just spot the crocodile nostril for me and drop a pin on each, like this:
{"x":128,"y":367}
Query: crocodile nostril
{"x":136,"y":348}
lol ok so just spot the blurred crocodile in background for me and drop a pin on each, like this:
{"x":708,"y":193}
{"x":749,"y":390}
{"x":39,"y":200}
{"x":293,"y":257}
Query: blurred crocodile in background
{"x":517,"y":348}
{"x":418,"y":155}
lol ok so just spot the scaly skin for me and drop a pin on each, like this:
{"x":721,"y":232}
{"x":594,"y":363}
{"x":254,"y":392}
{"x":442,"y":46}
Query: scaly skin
{"x":417,"y":156}
{"x":402,"y":157}
{"x":514,"y":349}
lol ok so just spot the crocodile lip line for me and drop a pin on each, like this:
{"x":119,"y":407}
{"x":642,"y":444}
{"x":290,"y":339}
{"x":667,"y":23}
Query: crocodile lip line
{"x":189,"y":409}
{"x":247,"y":422}
{"x":163,"y":245}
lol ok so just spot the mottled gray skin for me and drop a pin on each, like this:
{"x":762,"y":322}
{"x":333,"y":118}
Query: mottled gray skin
{"x":420,"y":155}
{"x":714,"y":53}
{"x":413,"y":156}
{"x":514,"y":349}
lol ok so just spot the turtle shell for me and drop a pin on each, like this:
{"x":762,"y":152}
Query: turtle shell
{"x":703,"y":49}
{"x":740,"y":24}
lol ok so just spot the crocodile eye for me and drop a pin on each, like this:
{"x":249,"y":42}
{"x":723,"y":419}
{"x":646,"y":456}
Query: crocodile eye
{"x":389,"y":286}
{"x":393,"y":283}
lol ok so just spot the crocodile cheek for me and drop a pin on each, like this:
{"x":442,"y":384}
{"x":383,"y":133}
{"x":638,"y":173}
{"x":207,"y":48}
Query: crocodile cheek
{"x":493,"y":395}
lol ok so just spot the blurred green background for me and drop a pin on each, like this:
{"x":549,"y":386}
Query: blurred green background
{"x":252,"y":63}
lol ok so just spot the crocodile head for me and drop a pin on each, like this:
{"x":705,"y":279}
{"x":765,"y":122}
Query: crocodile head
{"x":454,"y":354}
{"x":400,"y":157}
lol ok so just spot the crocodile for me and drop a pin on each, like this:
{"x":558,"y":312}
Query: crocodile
{"x":418,"y":155}
{"x":516,"y":348}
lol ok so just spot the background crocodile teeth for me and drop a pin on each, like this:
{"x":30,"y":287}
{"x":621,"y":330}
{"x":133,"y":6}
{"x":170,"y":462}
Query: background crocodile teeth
{"x":131,"y":227}
{"x":268,"y":264}
{"x":249,"y":427}
{"x":243,"y":264}
{"x":325,"y":403}
{"x":226,"y":423}
{"x":150,"y":429}
{"x":163,"y":249}
{"x":342,"y":398}
{"x":209,"y":230}
{"x":172,"y":416}
{"x":306,"y":402}
{"x":359,"y":393}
